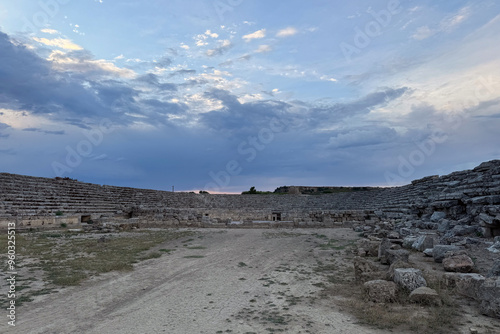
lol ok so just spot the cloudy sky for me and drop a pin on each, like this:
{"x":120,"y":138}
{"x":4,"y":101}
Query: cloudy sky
{"x":223,"y":95}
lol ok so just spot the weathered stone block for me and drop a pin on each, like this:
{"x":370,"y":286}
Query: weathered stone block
{"x":426,"y":296}
{"x":444,"y":225}
{"x":384,"y":246}
{"x":464,"y":284}
{"x":437,"y":215}
{"x":380,"y":291}
{"x":365,"y":270}
{"x":489,"y":295}
{"x":409,"y":278}
{"x":495,"y":248}
{"x":393,"y":255}
{"x":428,"y":252}
{"x":458,"y":263}
{"x":439,"y":251}
{"x":369,"y":247}
{"x":461,"y":230}
{"x":423,"y":242}
{"x":408,"y":241}
{"x":494,"y":270}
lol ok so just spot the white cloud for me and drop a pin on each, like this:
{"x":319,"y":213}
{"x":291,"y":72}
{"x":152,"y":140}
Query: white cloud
{"x":64,"y":62}
{"x":423,"y":33}
{"x":224,"y":45}
{"x":327,"y":78}
{"x":184,"y":46}
{"x":264,"y":48}
{"x":119,"y":57}
{"x":59,"y":42}
{"x":446,"y":25}
{"x":249,"y":98}
{"x":450,"y":23}
{"x":211,"y":34}
{"x":50,"y":31}
{"x":255,"y":35}
{"x":289,"y":31}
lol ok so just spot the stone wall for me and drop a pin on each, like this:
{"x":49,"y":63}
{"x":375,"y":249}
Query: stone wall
{"x":466,"y":198}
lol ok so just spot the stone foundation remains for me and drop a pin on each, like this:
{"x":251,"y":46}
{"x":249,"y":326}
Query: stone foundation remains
{"x":465,"y":202}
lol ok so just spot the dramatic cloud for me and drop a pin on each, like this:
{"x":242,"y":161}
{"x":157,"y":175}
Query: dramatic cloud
{"x":178,"y":90}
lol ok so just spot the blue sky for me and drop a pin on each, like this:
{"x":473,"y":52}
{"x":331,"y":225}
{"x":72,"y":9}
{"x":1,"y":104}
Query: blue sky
{"x":223,"y":95}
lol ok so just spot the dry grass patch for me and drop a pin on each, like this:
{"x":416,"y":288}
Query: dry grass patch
{"x":68,"y":258}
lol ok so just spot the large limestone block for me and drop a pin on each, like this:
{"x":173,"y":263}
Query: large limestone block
{"x":439,"y":251}
{"x":409,"y":241}
{"x":458,"y":263}
{"x":465,"y":284}
{"x":384,"y":246}
{"x":437,"y":216}
{"x":393,"y":255}
{"x":494,"y":270}
{"x":368,"y":247}
{"x":365,"y":270}
{"x":423,"y":242}
{"x":426,"y":296}
{"x":380,"y":291}
{"x":489,"y":295}
{"x":409,"y":278}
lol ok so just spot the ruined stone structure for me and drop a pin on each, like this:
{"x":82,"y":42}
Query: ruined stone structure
{"x":466,"y":202}
{"x":452,"y":218}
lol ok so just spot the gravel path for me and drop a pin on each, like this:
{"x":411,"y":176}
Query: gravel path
{"x":224,"y":281}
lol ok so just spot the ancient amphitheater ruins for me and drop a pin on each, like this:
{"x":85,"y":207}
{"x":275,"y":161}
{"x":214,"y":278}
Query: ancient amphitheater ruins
{"x":468,"y":200}
{"x":442,"y":216}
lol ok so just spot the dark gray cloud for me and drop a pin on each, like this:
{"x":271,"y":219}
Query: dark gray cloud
{"x":4,"y":127}
{"x":48,"y":132}
{"x":80,"y":98}
{"x":242,"y":118}
{"x":249,"y":117}
{"x":154,"y":80}
{"x":338,"y":111}
{"x":220,"y":50}
{"x":29,"y":83}
{"x":182,"y":72}
{"x":163,"y":62}
{"x":363,"y":136}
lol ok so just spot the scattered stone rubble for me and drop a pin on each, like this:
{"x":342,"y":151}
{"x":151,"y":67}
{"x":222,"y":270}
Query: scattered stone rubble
{"x":455,"y":219}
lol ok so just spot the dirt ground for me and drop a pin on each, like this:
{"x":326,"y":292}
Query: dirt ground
{"x":217,"y":281}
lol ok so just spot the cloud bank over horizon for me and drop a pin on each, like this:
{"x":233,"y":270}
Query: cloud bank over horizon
{"x":161,"y":95}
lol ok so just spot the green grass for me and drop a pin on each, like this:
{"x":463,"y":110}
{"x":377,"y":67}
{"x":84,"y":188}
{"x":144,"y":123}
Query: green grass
{"x":194,"y":256}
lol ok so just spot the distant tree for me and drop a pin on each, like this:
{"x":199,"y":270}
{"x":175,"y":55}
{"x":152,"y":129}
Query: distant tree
{"x":252,"y":191}
{"x":204,"y":192}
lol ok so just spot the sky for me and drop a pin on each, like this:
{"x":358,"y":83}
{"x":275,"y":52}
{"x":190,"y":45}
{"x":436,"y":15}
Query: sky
{"x":223,"y":95}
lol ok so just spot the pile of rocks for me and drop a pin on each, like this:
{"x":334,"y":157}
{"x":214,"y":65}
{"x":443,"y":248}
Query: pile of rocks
{"x":455,"y":269}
